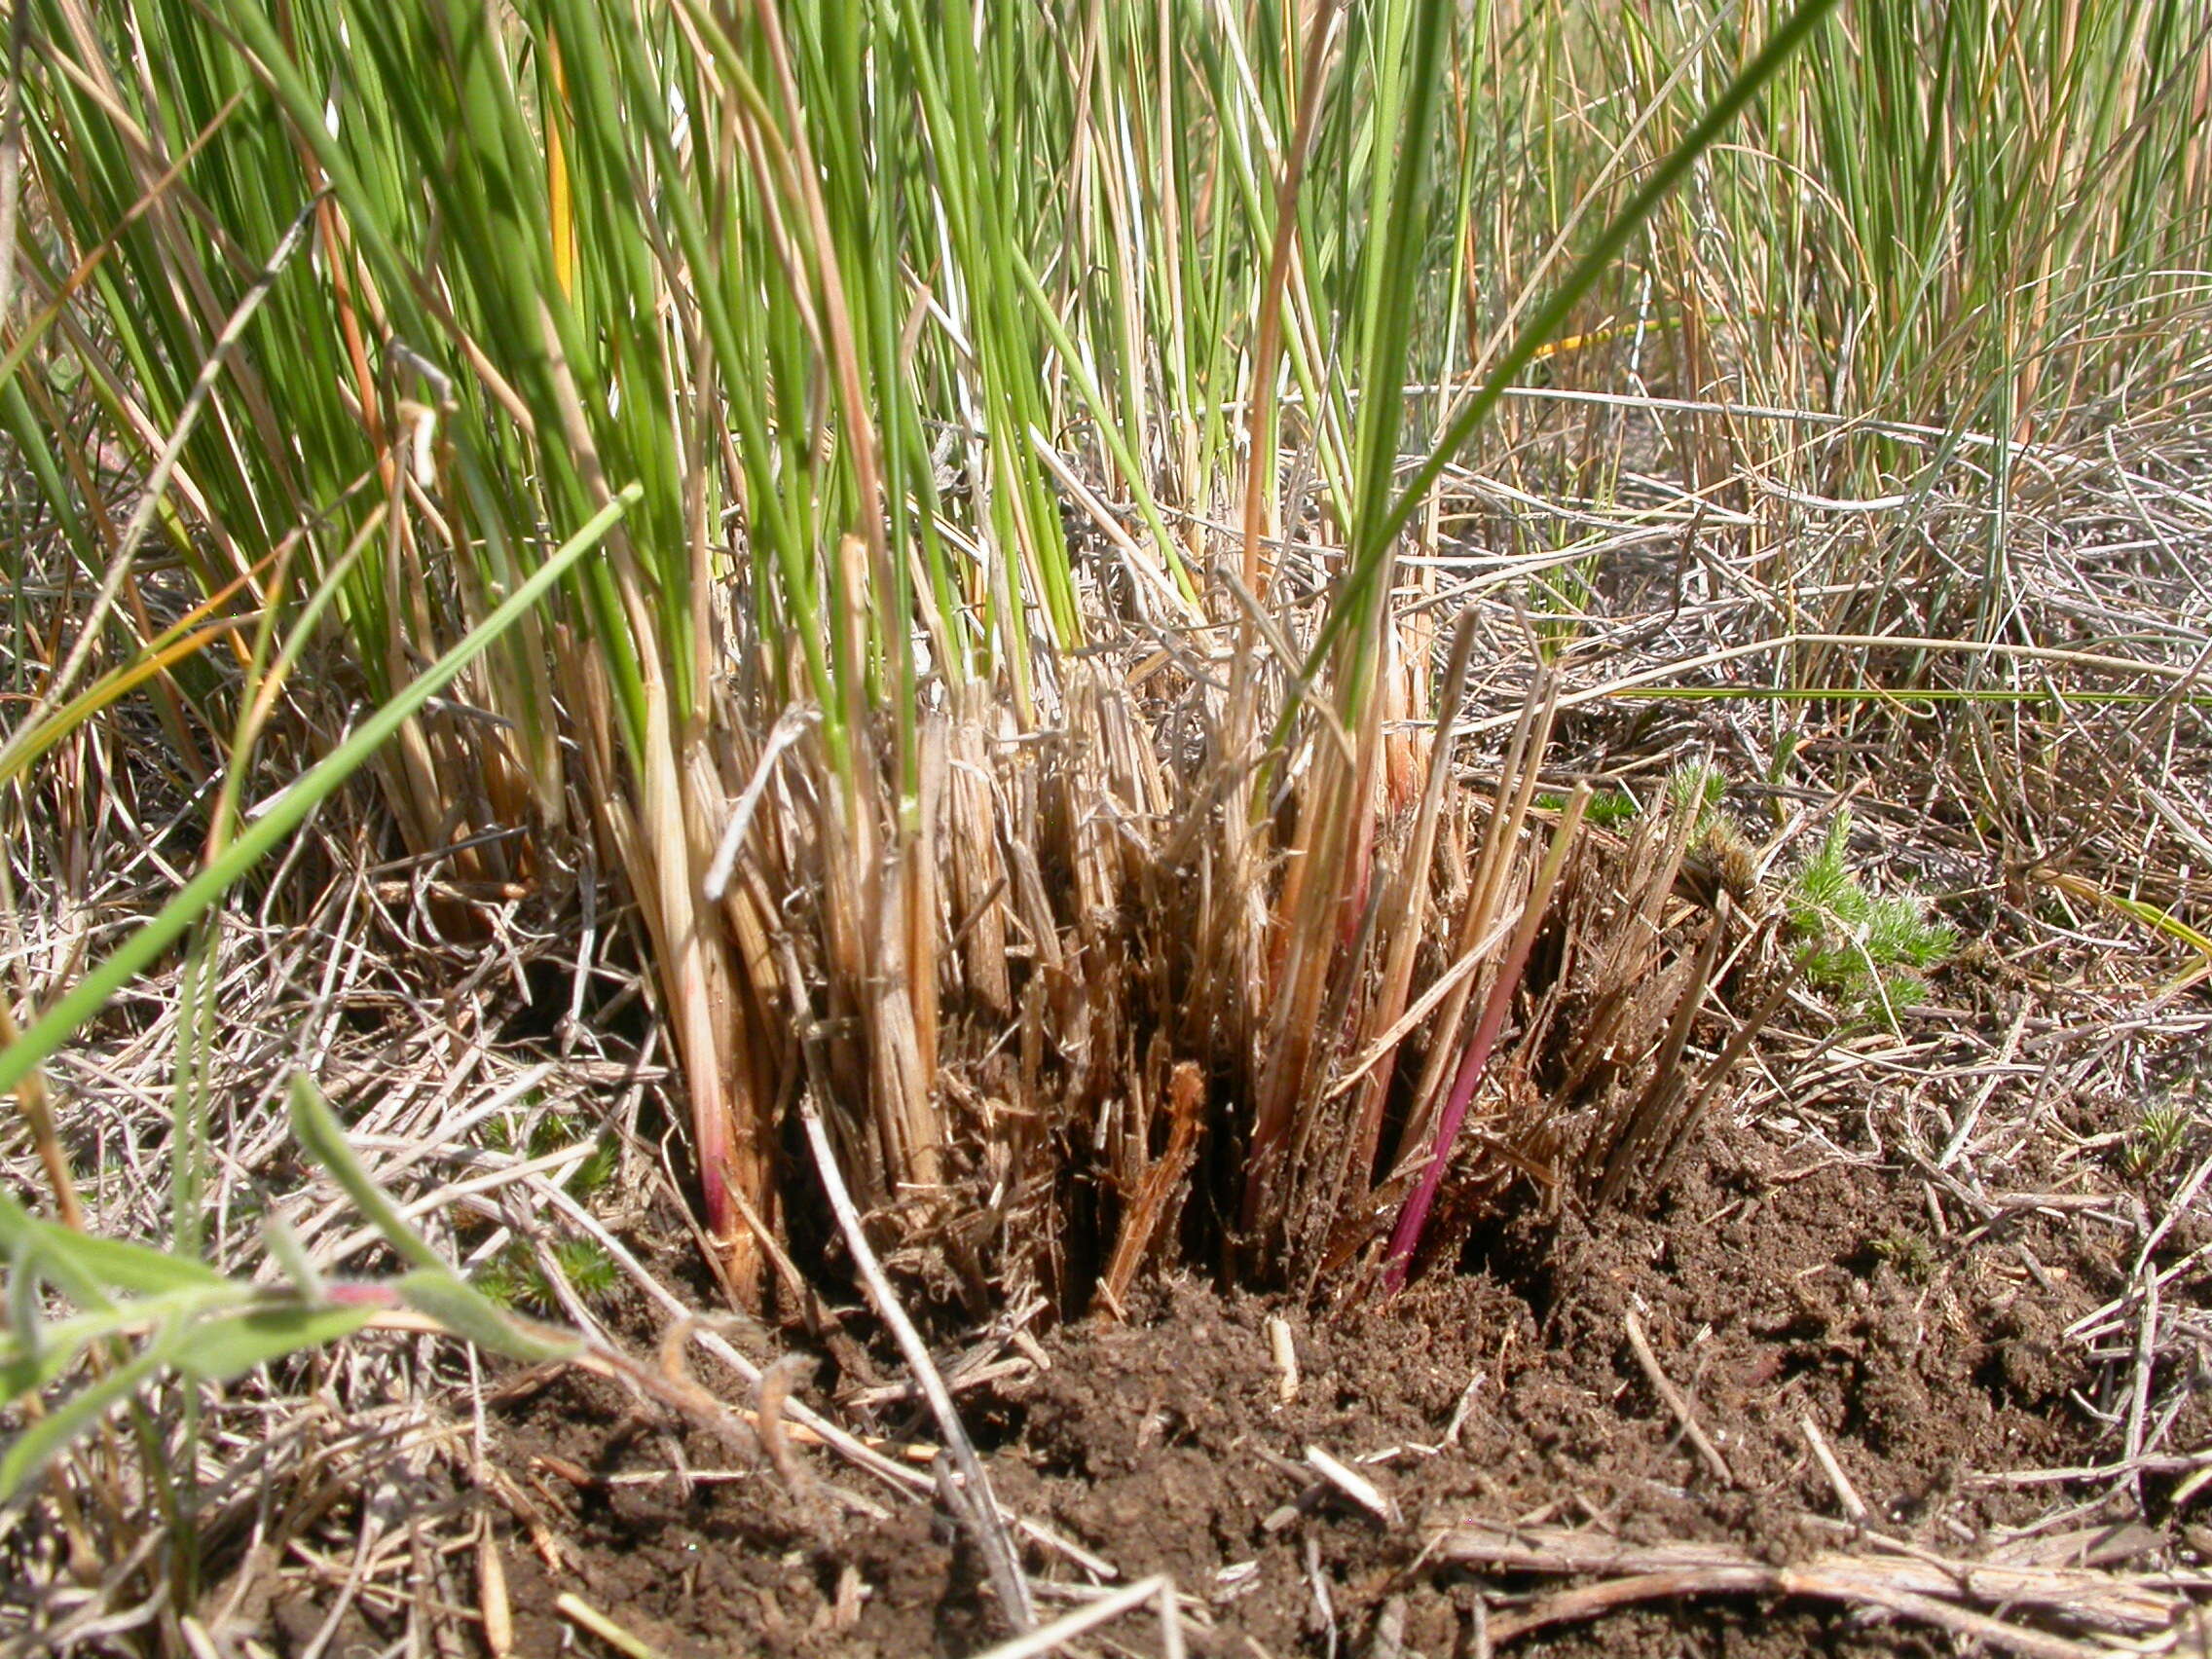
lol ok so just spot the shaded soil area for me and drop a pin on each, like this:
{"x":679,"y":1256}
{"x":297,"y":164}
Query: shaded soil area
{"x":1777,"y":1287}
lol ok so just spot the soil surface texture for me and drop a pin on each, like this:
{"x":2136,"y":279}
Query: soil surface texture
{"x":1778,"y":1285}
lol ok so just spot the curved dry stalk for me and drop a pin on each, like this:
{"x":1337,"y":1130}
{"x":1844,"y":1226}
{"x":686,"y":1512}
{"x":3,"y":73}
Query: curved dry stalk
{"x":1406,"y":1237}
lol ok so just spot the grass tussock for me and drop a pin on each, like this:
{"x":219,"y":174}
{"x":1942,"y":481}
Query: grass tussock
{"x":1120,"y":604}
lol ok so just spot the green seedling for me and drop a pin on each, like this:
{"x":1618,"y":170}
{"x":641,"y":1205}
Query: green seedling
{"x":516,"y":1279}
{"x":1910,"y":1256}
{"x":1691,"y":784}
{"x":154,"y":1313}
{"x":549,"y":1133}
{"x":2159,"y":1135}
{"x":1696,"y":786}
{"x":1868,"y":950}
{"x":1608,"y":810}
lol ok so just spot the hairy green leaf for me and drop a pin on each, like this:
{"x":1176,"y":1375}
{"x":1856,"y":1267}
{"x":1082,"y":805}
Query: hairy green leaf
{"x":226,"y":1347}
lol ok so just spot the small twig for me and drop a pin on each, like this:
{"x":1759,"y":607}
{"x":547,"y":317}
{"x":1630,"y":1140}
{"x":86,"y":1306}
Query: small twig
{"x":577,"y":1610}
{"x":1590,"y":1600}
{"x":1050,"y":1638}
{"x":2086,"y":1474}
{"x":1309,"y":1498}
{"x":2139,"y":1393}
{"x":1405,"y":1238}
{"x":2183,"y":1198}
{"x":491,"y":1595}
{"x":1389,"y":1631}
{"x":576,"y":1475}
{"x":803,"y":1423}
{"x":1676,"y":1402}
{"x":12,"y":150}
{"x":155,"y":491}
{"x":1982,"y":1096}
{"x":787,"y":730}
{"x":1001,"y":1558}
{"x":38,"y":1116}
{"x":1354,"y":1486}
{"x":2120,"y":1605}
{"x":774,"y":1388}
{"x":1461,"y":1409}
{"x":1317,"y":1585}
{"x":1284,"y":1351}
{"x":1846,"y":1494}
{"x":1157,"y":1191}
{"x":811,"y":1424}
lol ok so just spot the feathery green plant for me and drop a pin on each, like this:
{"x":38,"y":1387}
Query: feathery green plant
{"x":1868,"y":949}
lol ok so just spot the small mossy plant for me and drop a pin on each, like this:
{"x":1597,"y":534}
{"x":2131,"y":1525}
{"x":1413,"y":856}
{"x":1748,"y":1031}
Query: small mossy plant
{"x":1696,"y":786}
{"x":1691,"y":784}
{"x":1907,"y":1254}
{"x":2159,"y":1135}
{"x":548,"y":1134}
{"x":1609,"y":809}
{"x":516,"y":1279}
{"x":1867,"y":950}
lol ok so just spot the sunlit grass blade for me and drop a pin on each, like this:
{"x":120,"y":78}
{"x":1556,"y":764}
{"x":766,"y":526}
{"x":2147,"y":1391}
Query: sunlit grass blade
{"x":281,"y":816}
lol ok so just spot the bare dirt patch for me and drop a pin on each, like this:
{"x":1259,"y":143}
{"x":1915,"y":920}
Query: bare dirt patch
{"x":1780,"y":1283}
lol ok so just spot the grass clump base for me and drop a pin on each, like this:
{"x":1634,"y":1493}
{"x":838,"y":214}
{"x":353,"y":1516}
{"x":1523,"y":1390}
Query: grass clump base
{"x":1110,"y":608}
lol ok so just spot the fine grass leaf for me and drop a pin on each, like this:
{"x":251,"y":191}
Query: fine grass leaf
{"x":32,"y":1357}
{"x":433,"y":1288}
{"x":288,"y":811}
{"x":284,"y":1245}
{"x":2160,"y":921}
{"x":32,"y":1449}
{"x":229,"y":1346}
{"x":1550,"y":319}
{"x":78,"y":1265}
{"x":21,"y":1238}
{"x":137,"y":1268}
{"x":33,"y":740}
{"x":468,"y":1312}
{"x":34,"y":1351}
{"x":318,"y":1131}
{"x":24,"y":1299}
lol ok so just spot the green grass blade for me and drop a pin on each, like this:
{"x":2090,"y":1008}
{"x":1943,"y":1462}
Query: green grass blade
{"x":32,"y":1449}
{"x":287,"y":811}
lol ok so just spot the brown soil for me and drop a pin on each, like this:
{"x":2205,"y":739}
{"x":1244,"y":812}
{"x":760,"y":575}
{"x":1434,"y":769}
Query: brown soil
{"x":1776,"y":1284}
